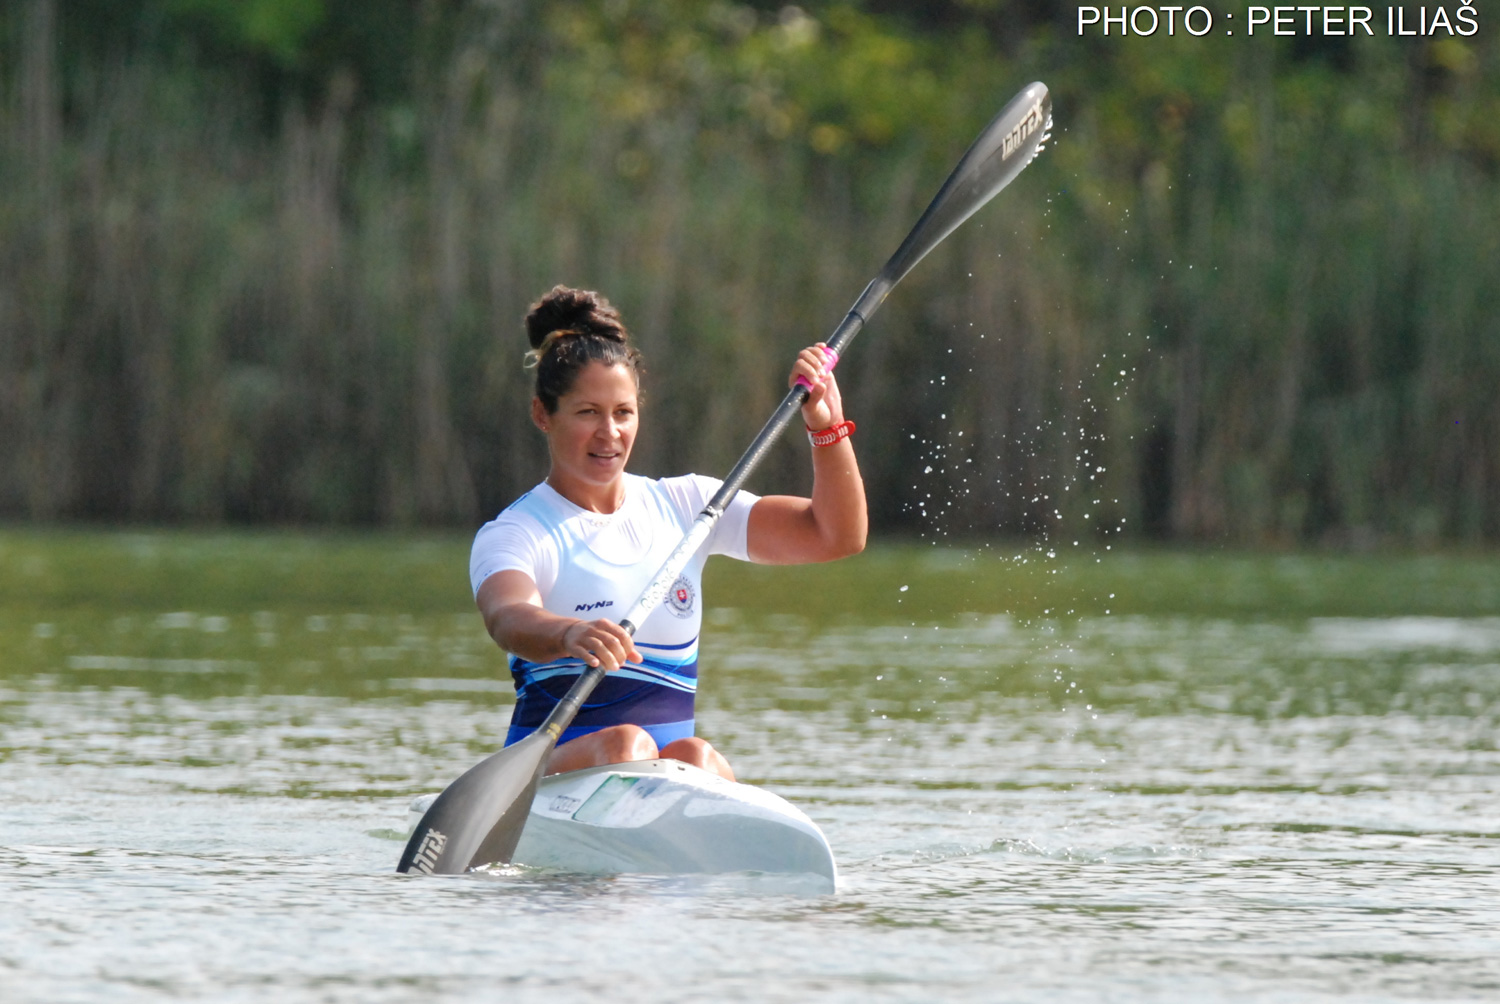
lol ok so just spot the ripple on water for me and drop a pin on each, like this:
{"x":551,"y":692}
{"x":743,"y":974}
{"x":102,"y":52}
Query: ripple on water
{"x":1110,"y":808}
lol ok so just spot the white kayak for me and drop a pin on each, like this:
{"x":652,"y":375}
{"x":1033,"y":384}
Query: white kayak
{"x":663,"y":817}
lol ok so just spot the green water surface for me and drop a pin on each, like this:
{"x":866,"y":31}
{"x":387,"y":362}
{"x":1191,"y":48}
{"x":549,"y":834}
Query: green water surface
{"x":1131,"y":776}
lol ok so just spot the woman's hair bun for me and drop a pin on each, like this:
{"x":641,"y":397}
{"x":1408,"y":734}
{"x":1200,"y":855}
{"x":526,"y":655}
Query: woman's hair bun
{"x":580,"y":310}
{"x":569,"y":329}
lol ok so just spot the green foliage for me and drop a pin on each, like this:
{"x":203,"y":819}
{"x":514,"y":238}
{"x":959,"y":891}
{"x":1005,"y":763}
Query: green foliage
{"x":278,"y":29}
{"x":839,"y":86}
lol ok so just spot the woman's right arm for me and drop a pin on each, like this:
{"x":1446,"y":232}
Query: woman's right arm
{"x":514,"y":617}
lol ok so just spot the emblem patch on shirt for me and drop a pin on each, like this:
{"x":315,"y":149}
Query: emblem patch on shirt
{"x":680,"y":597}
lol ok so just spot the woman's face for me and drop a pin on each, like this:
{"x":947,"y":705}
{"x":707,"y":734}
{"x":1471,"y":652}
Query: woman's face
{"x":591,"y":432}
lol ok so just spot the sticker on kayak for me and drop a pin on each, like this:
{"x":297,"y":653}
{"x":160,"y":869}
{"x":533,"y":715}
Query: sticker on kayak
{"x":625,"y":803}
{"x":680,"y":597}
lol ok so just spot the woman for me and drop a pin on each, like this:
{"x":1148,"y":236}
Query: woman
{"x":554,"y":570}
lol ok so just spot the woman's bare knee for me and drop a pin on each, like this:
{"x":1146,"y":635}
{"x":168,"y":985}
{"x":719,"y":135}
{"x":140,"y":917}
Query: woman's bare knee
{"x":616,"y":744}
{"x":623,"y":743}
{"x":699,"y":753}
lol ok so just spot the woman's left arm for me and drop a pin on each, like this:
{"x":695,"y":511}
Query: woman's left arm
{"x":786,"y":530}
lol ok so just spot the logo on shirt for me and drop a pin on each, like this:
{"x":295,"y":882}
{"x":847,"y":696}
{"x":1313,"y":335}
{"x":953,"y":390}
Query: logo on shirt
{"x":680,"y":597}
{"x":593,"y":606}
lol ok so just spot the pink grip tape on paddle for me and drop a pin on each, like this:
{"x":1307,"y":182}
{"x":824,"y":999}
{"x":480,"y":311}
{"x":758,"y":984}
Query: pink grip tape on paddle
{"x":833,"y":360}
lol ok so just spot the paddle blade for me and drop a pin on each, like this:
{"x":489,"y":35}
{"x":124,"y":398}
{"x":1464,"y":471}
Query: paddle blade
{"x":1006,"y":145}
{"x":478,"y":819}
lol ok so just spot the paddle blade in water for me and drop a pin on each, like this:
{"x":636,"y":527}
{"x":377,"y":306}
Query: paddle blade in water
{"x":477,"y":820}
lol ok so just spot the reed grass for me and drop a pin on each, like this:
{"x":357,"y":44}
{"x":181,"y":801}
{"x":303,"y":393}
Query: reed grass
{"x":1255,"y":302}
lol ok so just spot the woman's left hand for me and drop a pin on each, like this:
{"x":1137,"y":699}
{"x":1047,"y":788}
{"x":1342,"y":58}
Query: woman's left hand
{"x":824,"y":407}
{"x":833,"y":523}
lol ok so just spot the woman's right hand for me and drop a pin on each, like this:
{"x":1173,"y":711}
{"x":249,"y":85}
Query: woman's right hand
{"x":600,"y":642}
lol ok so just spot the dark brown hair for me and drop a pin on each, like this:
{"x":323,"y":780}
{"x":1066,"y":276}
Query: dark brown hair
{"x":570,"y":328}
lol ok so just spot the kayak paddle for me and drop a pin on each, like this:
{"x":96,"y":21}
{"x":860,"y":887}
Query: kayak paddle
{"x":478,"y":818}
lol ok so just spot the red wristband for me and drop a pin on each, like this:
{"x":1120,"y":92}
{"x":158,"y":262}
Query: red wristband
{"x":830,"y":435}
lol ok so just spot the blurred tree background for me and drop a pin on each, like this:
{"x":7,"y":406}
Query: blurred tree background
{"x":266,"y":260}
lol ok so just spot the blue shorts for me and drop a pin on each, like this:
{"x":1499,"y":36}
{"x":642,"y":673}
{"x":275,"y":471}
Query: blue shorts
{"x":663,"y":733}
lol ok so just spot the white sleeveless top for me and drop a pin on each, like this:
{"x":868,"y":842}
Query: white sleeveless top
{"x":591,"y":565}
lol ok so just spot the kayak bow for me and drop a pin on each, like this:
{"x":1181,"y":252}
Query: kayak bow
{"x":663,"y":817}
